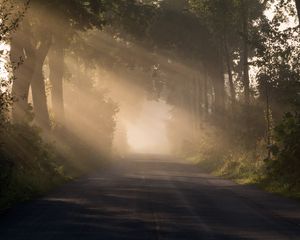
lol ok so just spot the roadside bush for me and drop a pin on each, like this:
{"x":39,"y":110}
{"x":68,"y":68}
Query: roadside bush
{"x":285,"y":163}
{"x":29,"y":166}
{"x":221,"y":152}
{"x":244,"y":164}
{"x":209,"y":149}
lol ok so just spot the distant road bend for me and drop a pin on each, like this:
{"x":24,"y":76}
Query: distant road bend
{"x":153,"y":197}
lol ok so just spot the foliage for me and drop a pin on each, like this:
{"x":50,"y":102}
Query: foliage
{"x":285,"y":164}
{"x":10,"y":18}
{"x":212,"y":146}
{"x":224,"y":21}
{"x":244,"y":136}
{"x":29,"y":166}
{"x":277,"y":52}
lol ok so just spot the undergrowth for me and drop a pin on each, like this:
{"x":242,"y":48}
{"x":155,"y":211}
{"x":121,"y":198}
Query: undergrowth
{"x":29,"y":165}
{"x":276,"y":172}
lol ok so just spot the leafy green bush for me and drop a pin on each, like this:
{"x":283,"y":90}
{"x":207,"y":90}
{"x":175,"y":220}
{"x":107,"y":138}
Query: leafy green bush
{"x":285,"y":164}
{"x":29,"y":166}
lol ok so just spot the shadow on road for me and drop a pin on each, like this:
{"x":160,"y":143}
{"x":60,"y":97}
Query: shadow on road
{"x":153,"y":197}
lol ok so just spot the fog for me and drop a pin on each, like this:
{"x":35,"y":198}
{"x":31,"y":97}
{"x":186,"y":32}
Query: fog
{"x":147,"y":133}
{"x":141,"y":120}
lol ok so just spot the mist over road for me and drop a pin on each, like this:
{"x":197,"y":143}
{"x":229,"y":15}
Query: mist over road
{"x":153,"y":197}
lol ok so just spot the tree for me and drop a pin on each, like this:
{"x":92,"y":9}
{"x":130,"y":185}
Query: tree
{"x":35,"y":40}
{"x":11,"y":14}
{"x":298,"y":8}
{"x":245,"y":50}
{"x":277,"y":53}
{"x":64,"y":20}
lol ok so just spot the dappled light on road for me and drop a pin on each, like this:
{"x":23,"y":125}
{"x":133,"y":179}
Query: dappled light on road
{"x":153,"y":197}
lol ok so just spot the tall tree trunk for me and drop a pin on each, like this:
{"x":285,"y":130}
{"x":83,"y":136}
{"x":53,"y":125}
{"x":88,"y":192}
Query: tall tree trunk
{"x":197,"y":102}
{"x":192,"y":106}
{"x":38,"y":86}
{"x":201,"y":99}
{"x":22,"y":56}
{"x":56,"y":65}
{"x":230,"y":76}
{"x":268,"y":119}
{"x":218,"y":96}
{"x":205,"y":94}
{"x":298,"y":9}
{"x":246,"y":80}
{"x":219,"y":88}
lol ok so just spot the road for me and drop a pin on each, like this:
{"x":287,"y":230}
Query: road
{"x":152,"y":197}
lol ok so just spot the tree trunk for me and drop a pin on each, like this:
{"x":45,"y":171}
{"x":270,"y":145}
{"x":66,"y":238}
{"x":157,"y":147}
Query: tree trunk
{"x":38,"y":86}
{"x":230,"y":76}
{"x":22,"y":56}
{"x":268,"y":119}
{"x":205,"y":94}
{"x":197,"y":102}
{"x":246,"y":80}
{"x":192,"y":105}
{"x":56,"y":65}
{"x":218,"y":96}
{"x":201,"y":99}
{"x":219,"y":88}
{"x":298,"y":9}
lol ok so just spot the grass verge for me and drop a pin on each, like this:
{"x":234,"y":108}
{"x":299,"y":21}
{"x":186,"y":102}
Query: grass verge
{"x":248,"y":173}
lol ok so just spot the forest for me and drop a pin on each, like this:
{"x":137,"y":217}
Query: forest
{"x":74,"y":72}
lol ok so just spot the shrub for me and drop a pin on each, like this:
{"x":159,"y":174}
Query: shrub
{"x":285,"y":163}
{"x":29,"y":165}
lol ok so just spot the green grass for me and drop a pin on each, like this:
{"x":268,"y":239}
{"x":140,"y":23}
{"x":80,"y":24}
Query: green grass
{"x":246,"y":172}
{"x":280,"y":188}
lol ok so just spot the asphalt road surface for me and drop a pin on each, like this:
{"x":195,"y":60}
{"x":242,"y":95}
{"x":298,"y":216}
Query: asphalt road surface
{"x":152,"y":197}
